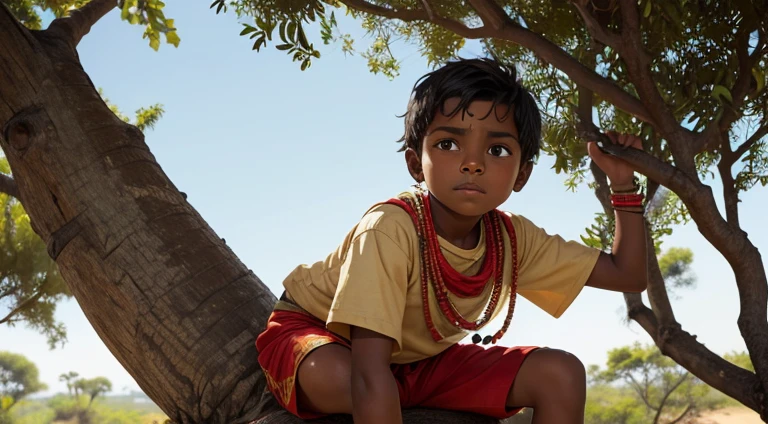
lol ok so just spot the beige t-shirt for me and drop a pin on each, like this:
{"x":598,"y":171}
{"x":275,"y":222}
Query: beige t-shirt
{"x":373,"y":280}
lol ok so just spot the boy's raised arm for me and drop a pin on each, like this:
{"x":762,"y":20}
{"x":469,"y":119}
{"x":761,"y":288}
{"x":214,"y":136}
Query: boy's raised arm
{"x":626,"y":268}
{"x":375,"y":397}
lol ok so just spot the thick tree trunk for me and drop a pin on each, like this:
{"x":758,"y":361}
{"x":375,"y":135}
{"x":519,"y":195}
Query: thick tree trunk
{"x":166,"y":295}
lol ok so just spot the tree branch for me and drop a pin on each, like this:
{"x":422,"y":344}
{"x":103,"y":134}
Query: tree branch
{"x":730,"y":194}
{"x":684,"y":349}
{"x":491,"y":13}
{"x":409,"y":15}
{"x":724,"y":168}
{"x":685,"y":412}
{"x":740,"y":88}
{"x":639,"y":69}
{"x":79,"y":22}
{"x":428,"y":8}
{"x":761,"y":132}
{"x":511,"y":31}
{"x":22,"y":305}
{"x":666,"y":396}
{"x":606,"y":37}
{"x":642,"y":391}
{"x":8,"y":186}
{"x":657,"y":290}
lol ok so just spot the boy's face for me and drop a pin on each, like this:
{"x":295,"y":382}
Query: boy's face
{"x":471,"y":165}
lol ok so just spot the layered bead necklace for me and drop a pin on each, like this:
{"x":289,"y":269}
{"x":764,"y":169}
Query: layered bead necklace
{"x":436,"y":270}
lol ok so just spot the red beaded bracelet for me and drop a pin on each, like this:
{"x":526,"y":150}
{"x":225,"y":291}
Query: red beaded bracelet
{"x":627,"y":200}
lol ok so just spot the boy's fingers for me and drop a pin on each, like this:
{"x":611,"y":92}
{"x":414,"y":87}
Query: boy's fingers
{"x":593,"y":150}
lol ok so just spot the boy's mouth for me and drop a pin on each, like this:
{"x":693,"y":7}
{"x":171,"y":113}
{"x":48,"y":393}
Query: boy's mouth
{"x":470,"y":187}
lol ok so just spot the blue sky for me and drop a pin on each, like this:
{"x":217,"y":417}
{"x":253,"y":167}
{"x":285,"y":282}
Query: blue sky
{"x":282,"y":163}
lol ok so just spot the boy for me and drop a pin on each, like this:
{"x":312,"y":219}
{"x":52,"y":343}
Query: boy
{"x":375,"y":326}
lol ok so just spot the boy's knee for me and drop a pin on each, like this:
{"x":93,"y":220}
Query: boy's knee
{"x":563,"y":372}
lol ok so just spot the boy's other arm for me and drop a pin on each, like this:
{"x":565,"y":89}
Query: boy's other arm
{"x":375,"y":397}
{"x":626,"y":268}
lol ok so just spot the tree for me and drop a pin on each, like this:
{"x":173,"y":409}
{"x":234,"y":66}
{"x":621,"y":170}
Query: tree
{"x":93,"y":387}
{"x":30,"y":284}
{"x":180,"y":311}
{"x":70,"y":378}
{"x":664,"y":387}
{"x":688,"y":76}
{"x":18,"y":378}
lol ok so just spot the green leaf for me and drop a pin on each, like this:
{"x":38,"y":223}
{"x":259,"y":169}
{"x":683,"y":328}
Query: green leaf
{"x":759,"y":76}
{"x":721,"y":93}
{"x":172,"y":38}
{"x":303,"y":38}
{"x":283,"y":46}
{"x":291,"y":31}
{"x":647,"y":10}
{"x":247,"y":30}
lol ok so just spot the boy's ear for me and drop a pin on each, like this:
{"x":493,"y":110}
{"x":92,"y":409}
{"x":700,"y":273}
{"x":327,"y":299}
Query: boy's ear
{"x":413,"y":161}
{"x":523,"y":175}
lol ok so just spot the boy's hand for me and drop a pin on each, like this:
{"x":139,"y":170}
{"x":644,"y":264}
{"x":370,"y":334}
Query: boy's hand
{"x":618,"y":171}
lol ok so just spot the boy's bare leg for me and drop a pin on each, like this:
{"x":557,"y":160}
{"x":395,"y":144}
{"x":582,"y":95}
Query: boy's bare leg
{"x":324,"y":380}
{"x":553,"y":382}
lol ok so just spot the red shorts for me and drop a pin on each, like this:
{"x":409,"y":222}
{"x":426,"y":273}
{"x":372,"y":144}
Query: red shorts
{"x":465,"y":378}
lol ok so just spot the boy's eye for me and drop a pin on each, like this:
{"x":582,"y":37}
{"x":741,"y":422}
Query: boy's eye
{"x":447,"y":145}
{"x":499,"y":151}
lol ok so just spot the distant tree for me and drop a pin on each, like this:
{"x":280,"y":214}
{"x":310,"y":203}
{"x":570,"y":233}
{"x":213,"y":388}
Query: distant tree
{"x":93,"y":388}
{"x":19,"y":378}
{"x":664,"y":387}
{"x":70,"y":378}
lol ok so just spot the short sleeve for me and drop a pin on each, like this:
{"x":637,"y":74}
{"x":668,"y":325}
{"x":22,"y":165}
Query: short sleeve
{"x":373,"y":284}
{"x":552,"y":271}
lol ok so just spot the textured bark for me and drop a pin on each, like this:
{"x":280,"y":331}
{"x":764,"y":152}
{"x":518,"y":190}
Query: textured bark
{"x":275,"y":415}
{"x":169,"y":299}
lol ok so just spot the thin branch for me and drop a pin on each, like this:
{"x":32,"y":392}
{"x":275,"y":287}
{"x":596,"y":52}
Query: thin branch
{"x":740,"y":88}
{"x":491,"y":13}
{"x":607,"y":37}
{"x":8,"y":292}
{"x":657,"y":291}
{"x":79,"y":22}
{"x":666,"y":395}
{"x":23,"y":305}
{"x":724,"y":168}
{"x":8,"y":186}
{"x":642,"y":391}
{"x":428,"y":8}
{"x":687,"y":410}
{"x":754,"y":138}
{"x":730,"y":194}
{"x":409,"y":15}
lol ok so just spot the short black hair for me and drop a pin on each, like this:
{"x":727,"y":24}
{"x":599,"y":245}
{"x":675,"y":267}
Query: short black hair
{"x":471,"y":80}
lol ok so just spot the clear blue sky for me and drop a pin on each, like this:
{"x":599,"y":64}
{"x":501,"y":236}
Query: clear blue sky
{"x":282,"y":163}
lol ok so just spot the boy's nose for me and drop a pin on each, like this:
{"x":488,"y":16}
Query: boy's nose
{"x":473,"y":168}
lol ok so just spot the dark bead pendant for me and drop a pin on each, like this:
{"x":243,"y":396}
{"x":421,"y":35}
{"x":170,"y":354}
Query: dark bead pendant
{"x":476,"y":339}
{"x":487,"y":340}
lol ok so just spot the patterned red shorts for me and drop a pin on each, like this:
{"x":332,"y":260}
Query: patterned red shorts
{"x":466,"y":378}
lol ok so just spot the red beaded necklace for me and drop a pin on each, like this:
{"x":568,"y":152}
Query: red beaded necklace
{"x":436,"y":270}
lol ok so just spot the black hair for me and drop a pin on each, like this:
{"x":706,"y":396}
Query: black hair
{"x":471,"y":80}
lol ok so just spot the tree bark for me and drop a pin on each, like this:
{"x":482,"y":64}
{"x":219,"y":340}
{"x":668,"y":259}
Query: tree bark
{"x":169,"y":299}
